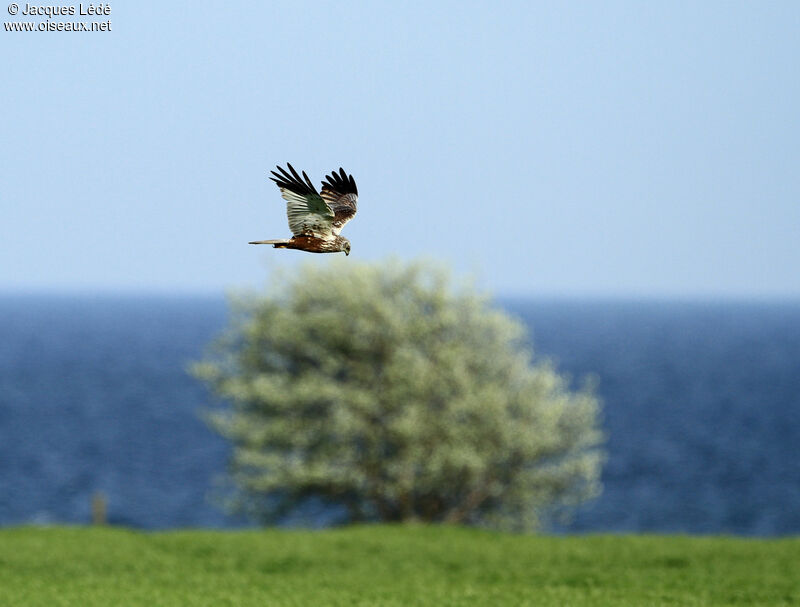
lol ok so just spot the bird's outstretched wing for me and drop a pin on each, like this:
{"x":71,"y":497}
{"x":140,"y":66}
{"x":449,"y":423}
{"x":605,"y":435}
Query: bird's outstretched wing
{"x":309,"y":214}
{"x":339,"y":191}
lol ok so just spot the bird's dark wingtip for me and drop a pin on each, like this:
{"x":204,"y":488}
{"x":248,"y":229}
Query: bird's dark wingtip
{"x":292,"y":181}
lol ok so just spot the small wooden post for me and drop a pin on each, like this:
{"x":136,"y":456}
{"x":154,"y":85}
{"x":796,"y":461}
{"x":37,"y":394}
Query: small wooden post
{"x":99,"y":508}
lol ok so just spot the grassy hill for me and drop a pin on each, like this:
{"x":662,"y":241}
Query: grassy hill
{"x":389,"y":565}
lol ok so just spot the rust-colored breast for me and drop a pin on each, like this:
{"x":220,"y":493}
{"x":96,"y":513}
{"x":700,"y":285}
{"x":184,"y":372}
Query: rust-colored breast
{"x":313,"y":244}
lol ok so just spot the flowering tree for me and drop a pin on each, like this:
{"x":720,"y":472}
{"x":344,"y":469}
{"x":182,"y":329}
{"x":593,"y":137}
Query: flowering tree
{"x":385,"y":390}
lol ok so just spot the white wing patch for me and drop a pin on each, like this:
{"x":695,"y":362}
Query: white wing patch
{"x":308,"y":214}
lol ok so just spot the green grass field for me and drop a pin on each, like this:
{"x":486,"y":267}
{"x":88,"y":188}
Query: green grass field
{"x":389,"y":565}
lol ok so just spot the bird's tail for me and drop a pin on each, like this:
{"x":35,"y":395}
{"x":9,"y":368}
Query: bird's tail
{"x":278,"y":244}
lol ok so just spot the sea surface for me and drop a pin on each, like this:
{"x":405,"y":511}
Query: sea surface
{"x":701,"y":408}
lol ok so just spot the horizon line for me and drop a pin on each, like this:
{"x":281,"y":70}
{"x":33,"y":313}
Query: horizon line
{"x":653,"y":296}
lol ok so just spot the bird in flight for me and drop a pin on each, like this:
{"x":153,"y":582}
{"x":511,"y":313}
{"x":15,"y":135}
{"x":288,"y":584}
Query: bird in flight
{"x":316,"y":219}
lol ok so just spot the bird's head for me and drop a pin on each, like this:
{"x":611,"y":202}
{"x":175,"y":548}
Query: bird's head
{"x":347,"y":248}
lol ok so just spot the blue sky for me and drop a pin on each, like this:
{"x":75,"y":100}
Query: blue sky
{"x":612,"y":149}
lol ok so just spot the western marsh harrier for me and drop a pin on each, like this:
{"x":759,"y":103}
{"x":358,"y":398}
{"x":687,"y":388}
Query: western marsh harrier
{"x":316,"y":219}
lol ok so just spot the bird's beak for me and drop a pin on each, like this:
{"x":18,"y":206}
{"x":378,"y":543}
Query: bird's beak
{"x":346,"y":253}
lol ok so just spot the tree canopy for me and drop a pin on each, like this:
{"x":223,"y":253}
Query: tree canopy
{"x":388,"y":391}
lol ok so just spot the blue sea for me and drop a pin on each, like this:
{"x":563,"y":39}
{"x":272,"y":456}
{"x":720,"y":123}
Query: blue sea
{"x":701,"y":408}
